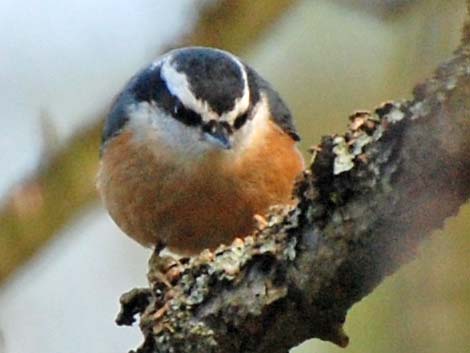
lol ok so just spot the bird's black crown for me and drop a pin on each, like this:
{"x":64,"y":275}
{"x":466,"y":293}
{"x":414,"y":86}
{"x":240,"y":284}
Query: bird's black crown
{"x":214,"y":78}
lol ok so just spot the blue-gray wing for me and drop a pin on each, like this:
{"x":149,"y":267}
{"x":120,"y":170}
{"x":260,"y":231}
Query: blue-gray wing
{"x":279,"y":111}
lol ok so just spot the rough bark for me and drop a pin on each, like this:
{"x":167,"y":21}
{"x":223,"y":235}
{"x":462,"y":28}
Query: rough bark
{"x":368,"y":199}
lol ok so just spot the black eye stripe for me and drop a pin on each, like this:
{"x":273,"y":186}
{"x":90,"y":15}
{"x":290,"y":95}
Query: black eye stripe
{"x":151,"y":87}
{"x":185,"y":115}
{"x":240,"y":120}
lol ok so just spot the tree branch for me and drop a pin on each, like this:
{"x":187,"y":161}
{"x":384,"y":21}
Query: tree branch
{"x":367,"y":200}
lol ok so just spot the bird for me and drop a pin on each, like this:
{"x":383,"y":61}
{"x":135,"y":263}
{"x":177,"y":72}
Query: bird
{"x":193,"y":148}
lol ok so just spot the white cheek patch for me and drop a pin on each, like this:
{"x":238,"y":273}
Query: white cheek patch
{"x":140,"y":117}
{"x":255,"y":129}
{"x":158,"y":130}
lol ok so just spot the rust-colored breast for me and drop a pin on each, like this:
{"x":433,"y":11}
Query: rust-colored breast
{"x":201,"y":205}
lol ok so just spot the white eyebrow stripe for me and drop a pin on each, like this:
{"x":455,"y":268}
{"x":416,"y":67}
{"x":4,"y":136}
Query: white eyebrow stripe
{"x":179,"y":86}
{"x":241,"y":104}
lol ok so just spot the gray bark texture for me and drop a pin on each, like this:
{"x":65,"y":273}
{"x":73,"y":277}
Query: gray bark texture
{"x":366,"y":202}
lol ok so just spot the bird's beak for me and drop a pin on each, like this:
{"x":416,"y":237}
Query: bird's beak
{"x":219,"y":135}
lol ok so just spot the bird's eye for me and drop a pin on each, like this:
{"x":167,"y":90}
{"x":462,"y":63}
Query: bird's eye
{"x":209,"y":126}
{"x":177,"y":107}
{"x":240,"y":120}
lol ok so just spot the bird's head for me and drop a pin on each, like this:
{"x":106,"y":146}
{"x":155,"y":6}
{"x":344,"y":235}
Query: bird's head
{"x":196,"y":100}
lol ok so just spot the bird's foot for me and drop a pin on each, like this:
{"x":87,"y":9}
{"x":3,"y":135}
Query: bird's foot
{"x":164,"y":269}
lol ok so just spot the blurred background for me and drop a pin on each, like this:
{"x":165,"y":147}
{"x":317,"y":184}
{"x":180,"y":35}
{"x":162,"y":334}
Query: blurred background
{"x":64,"y":264}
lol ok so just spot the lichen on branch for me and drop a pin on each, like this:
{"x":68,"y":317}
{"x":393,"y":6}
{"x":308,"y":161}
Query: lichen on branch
{"x":368,"y":199}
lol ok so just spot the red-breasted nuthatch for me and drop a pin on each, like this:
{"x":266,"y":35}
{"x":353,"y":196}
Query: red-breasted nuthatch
{"x":194,"y":146}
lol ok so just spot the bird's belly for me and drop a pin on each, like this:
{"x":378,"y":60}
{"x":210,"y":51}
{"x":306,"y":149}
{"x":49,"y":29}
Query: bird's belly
{"x":203,"y":218}
{"x":193,"y":206}
{"x":156,"y":202}
{"x":185,"y":215}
